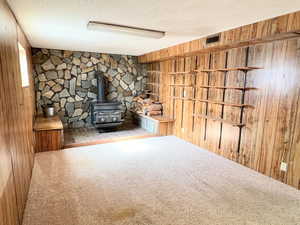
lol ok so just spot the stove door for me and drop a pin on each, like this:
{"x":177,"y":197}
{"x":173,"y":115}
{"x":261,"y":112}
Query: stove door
{"x":107,"y":117}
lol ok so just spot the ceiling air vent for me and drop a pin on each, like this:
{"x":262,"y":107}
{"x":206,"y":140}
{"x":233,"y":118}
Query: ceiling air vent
{"x":213,"y":39}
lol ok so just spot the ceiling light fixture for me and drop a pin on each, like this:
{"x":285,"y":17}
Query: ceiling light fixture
{"x":99,"y":26}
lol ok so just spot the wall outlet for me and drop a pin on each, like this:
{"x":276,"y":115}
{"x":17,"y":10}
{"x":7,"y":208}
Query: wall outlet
{"x":283,"y":167}
{"x":184,"y":93}
{"x":182,"y":129}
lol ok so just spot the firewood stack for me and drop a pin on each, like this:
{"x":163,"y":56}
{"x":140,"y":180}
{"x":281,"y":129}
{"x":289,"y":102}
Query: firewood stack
{"x":146,"y":106}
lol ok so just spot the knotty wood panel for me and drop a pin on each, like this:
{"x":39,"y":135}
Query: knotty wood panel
{"x":49,"y":140}
{"x":277,"y":28}
{"x":272,"y":131}
{"x":16,"y":119}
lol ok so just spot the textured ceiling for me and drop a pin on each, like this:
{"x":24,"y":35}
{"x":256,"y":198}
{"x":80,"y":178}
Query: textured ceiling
{"x":61,"y":24}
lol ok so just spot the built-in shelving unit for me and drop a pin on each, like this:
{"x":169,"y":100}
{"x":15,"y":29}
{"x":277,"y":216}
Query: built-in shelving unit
{"x":224,"y":87}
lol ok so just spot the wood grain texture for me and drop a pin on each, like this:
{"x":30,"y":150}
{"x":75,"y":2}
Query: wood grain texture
{"x":49,"y":140}
{"x":47,"y":123}
{"x":271,"y":134}
{"x":49,"y":134}
{"x":16,"y":120}
{"x":278,"y":28}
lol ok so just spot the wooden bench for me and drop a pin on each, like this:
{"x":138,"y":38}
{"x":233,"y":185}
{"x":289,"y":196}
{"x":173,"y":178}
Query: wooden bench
{"x":159,"y":125}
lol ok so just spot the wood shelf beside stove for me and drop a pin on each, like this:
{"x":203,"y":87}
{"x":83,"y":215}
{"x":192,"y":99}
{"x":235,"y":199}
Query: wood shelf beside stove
{"x":159,"y":125}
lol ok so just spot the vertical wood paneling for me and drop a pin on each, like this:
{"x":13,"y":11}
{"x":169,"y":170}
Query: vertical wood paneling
{"x":200,"y":107}
{"x":271,"y":134}
{"x":260,"y":32}
{"x":16,"y":119}
{"x":293,"y":176}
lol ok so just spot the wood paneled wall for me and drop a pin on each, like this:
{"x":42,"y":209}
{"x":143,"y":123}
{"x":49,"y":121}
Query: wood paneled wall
{"x":16,"y":120}
{"x":268,"y":30}
{"x":271,"y":134}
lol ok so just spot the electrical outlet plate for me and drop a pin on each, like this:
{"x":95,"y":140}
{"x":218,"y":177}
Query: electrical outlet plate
{"x":283,"y":166}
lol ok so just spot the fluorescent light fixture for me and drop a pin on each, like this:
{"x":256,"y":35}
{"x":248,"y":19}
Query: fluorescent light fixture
{"x":99,"y":26}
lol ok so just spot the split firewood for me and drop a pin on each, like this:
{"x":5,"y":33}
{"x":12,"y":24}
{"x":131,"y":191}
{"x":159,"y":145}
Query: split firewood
{"x":154,"y":113}
{"x":155,"y":107}
{"x":145,"y":105}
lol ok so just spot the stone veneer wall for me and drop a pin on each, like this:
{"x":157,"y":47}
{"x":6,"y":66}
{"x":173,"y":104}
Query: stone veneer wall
{"x":67,"y":80}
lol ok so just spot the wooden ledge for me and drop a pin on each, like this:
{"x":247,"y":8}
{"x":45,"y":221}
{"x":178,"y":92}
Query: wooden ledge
{"x":161,"y":119}
{"x":47,"y":123}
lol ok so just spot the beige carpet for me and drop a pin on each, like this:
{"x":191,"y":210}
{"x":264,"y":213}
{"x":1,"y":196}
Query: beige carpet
{"x":84,"y":135}
{"x":154,"y":181}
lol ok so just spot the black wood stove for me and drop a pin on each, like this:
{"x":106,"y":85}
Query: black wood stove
{"x":105,"y":114}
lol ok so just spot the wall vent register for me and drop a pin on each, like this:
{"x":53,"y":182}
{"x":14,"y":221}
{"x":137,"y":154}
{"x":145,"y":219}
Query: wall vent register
{"x":213,"y":39}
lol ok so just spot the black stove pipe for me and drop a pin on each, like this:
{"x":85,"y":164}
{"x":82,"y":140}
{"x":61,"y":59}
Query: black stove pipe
{"x":101,"y":87}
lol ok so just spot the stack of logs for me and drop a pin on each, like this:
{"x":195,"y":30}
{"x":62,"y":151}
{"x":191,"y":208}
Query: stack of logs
{"x":146,"y":106}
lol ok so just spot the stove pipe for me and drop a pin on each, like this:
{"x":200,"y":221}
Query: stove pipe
{"x":101,"y":87}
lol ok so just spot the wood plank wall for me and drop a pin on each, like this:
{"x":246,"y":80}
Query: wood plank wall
{"x":271,"y":134}
{"x":264,"y":31}
{"x":16,"y":120}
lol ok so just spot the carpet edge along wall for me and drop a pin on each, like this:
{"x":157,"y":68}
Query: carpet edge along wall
{"x":238,"y":97}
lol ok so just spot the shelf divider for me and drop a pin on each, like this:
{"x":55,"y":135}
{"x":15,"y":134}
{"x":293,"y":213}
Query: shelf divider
{"x":214,"y":102}
{"x":220,"y":120}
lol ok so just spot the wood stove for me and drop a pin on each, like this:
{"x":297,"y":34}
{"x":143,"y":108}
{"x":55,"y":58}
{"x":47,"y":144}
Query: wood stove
{"x":105,"y":113}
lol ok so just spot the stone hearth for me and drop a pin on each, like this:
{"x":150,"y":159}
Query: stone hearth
{"x":67,"y":80}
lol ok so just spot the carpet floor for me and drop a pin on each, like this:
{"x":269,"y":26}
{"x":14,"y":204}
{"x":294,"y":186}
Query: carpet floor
{"x":153,"y":181}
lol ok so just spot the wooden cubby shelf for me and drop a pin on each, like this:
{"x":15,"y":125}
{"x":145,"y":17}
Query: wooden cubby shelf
{"x":220,"y":120}
{"x":215,"y":102}
{"x":153,"y":81}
